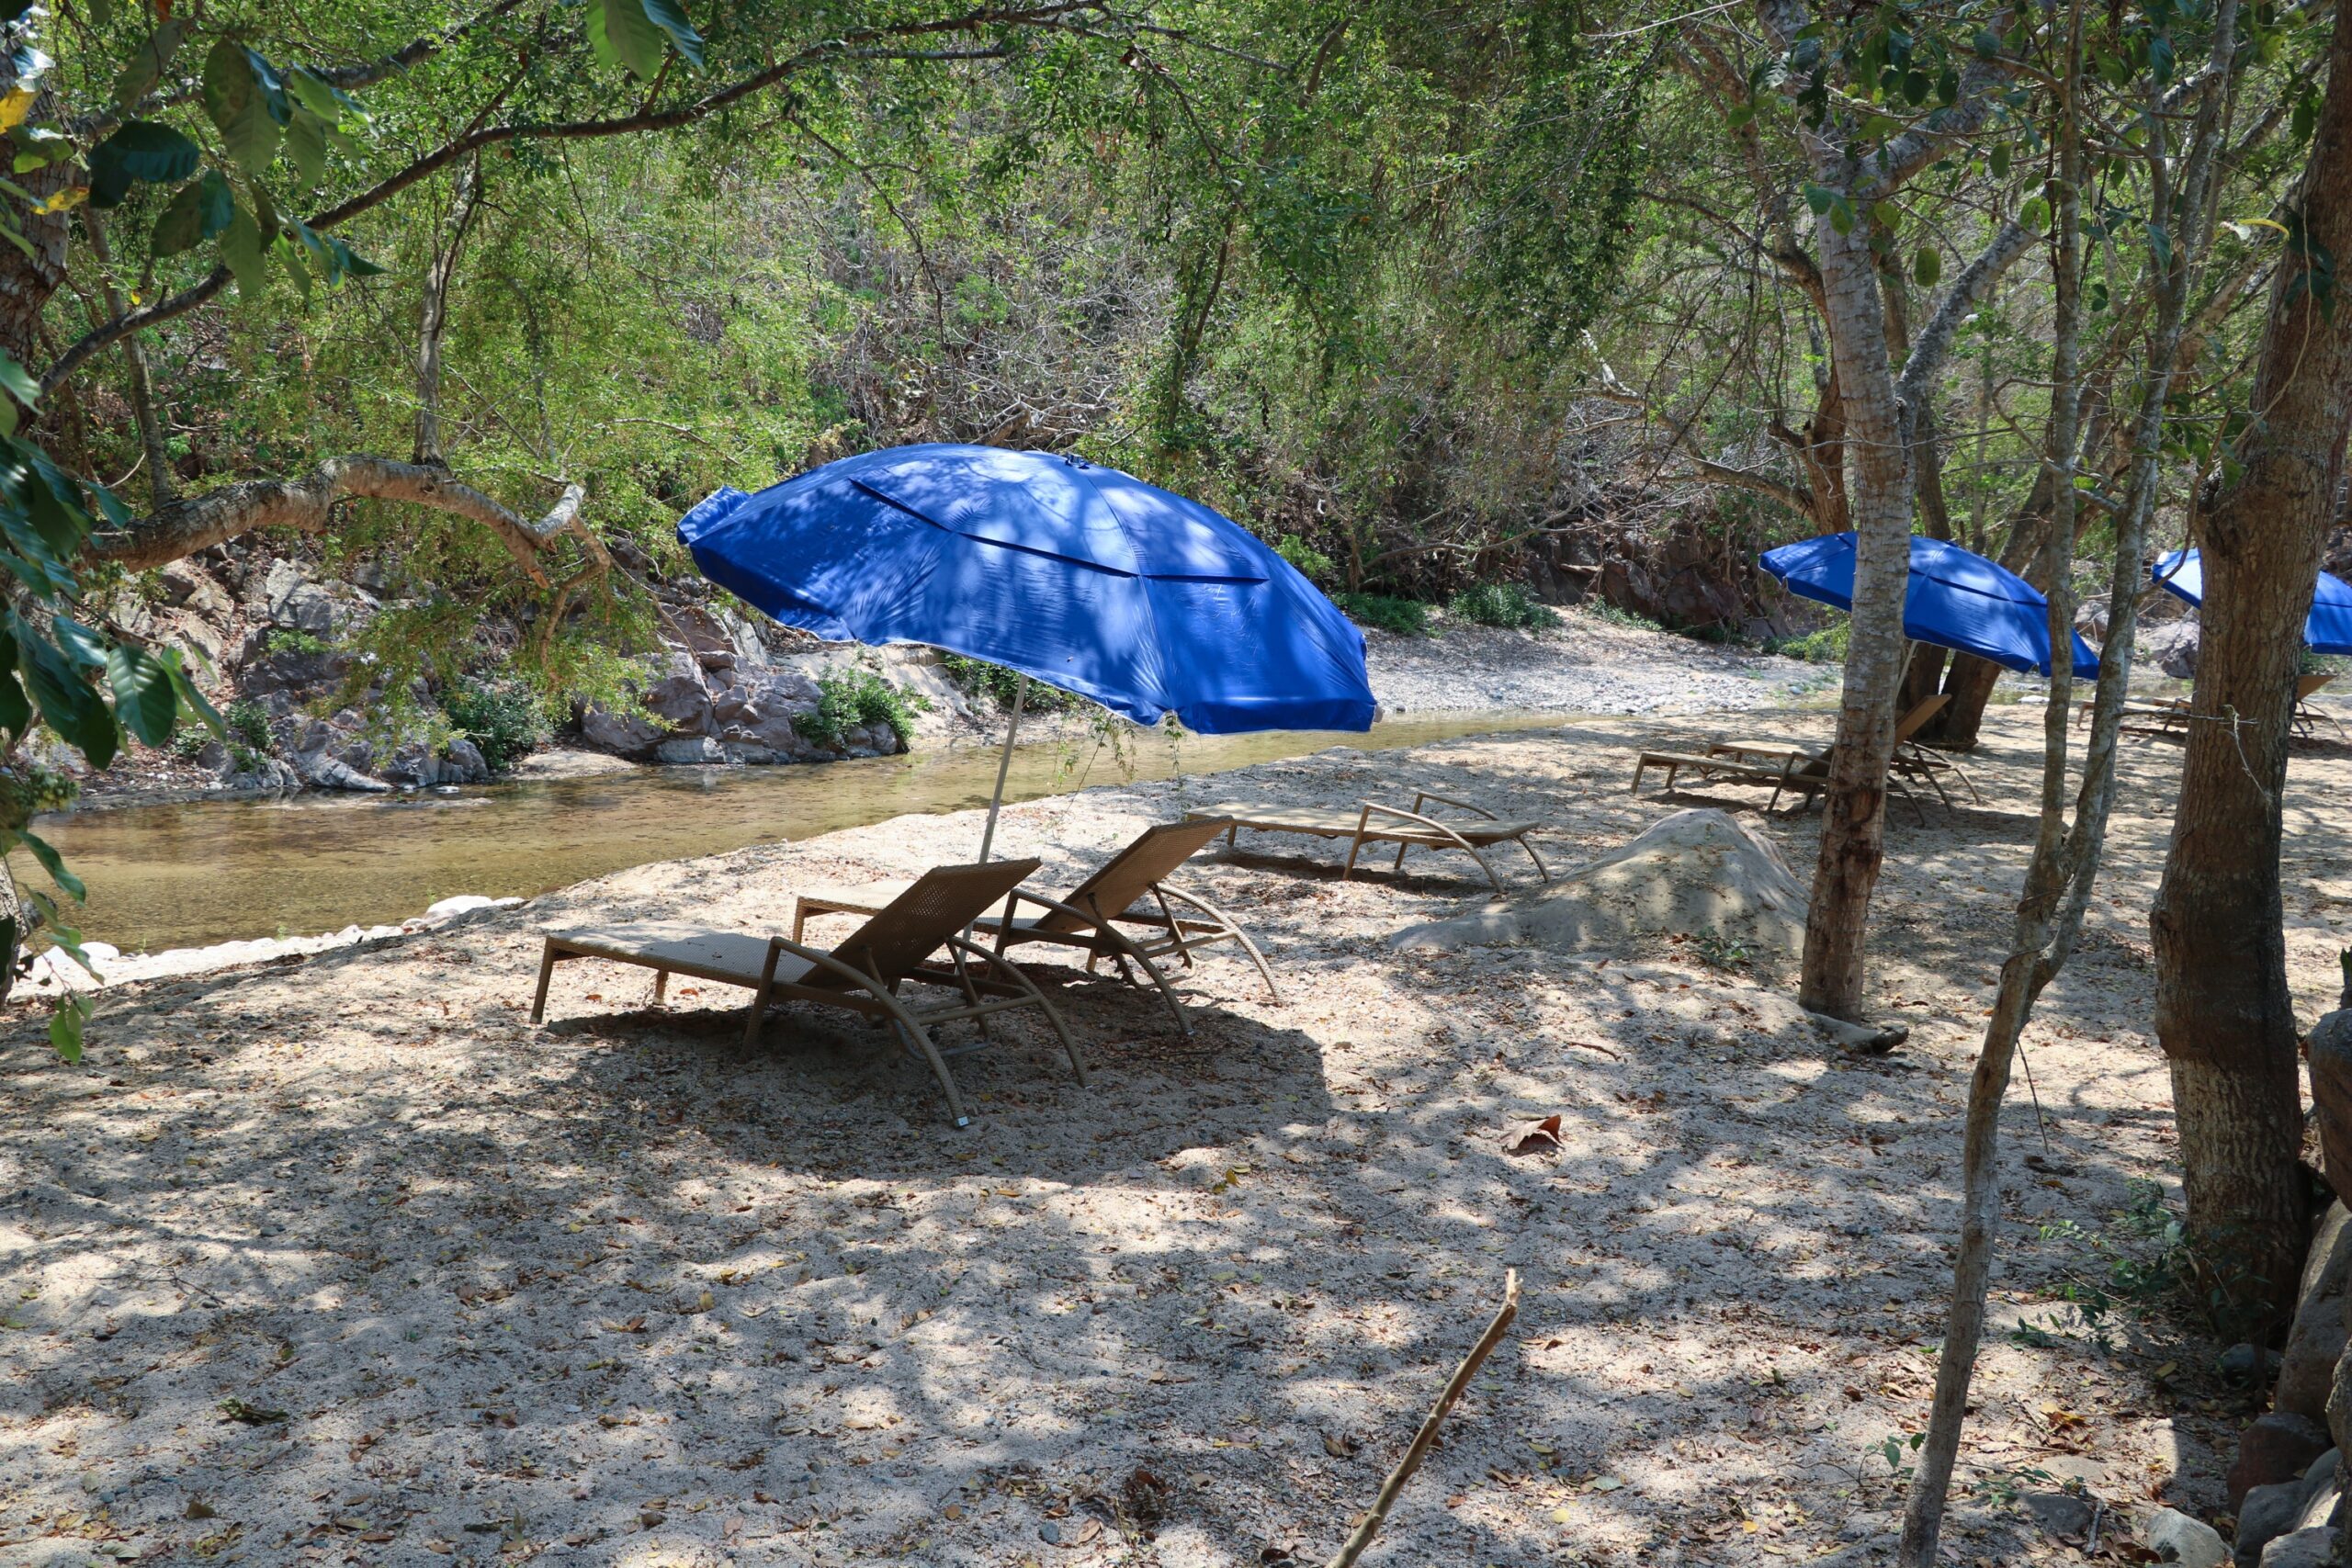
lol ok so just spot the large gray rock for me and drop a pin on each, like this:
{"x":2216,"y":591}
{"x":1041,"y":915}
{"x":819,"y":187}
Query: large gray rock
{"x":2265,"y":1513}
{"x":464,"y":763}
{"x":2275,"y":1447}
{"x":324,"y":770}
{"x":686,"y":750}
{"x":2313,"y":1548}
{"x":2174,"y":1537}
{"x":2171,"y":647}
{"x":622,"y":734}
{"x":2330,"y":1059}
{"x":2316,"y":1340}
{"x":683,"y":702}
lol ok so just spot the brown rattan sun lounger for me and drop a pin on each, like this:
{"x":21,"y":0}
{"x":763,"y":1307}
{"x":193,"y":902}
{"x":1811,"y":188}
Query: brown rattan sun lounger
{"x":2309,"y":715}
{"x":863,"y":974}
{"x":1375,"y":823}
{"x":1092,"y":915}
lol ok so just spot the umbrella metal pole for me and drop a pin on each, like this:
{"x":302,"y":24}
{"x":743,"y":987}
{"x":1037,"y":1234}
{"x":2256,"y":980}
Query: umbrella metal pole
{"x":1003,"y":766}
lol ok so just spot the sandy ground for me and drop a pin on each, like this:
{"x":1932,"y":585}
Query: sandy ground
{"x":1588,"y":664}
{"x":339,"y":1260}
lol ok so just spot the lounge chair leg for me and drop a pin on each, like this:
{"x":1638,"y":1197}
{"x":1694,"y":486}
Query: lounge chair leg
{"x":1232,"y":929}
{"x":1487,"y":869}
{"x":1540,"y":869}
{"x":972,"y":992}
{"x":549,"y":956}
{"x":661,"y":986}
{"x":921,"y":1042}
{"x":758,"y":1012}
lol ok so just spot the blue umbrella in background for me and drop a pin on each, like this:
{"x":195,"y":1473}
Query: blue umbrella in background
{"x":2329,"y":629}
{"x":1074,"y":574}
{"x":1956,"y":599}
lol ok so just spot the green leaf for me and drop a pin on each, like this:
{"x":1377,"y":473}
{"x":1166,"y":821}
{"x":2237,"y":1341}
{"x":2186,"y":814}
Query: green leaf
{"x":16,"y":712}
{"x":1841,"y":215}
{"x":65,"y":1027}
{"x":192,"y":699}
{"x":17,"y":383}
{"x":1819,"y":197}
{"x":1927,"y":266}
{"x":242,"y":249}
{"x":671,"y":17}
{"x":321,"y":97}
{"x":147,"y":63}
{"x":238,"y":97}
{"x":622,"y":34}
{"x":306,"y":149}
{"x":2034,"y":215}
{"x":54,"y":863}
{"x":144,"y":150}
{"x":1887,"y":213}
{"x":1947,"y":87}
{"x":101,"y":14}
{"x":2000,"y":160}
{"x":349,"y":263}
{"x":181,"y":225}
{"x":2161,"y":243}
{"x":144,"y":698}
{"x":83,"y":645}
{"x":1740,"y":115}
{"x":67,"y":703}
{"x":38,"y":147}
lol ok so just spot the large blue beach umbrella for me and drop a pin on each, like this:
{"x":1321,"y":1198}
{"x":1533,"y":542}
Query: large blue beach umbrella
{"x":1074,"y":574}
{"x":2328,"y":630}
{"x":1955,"y":599}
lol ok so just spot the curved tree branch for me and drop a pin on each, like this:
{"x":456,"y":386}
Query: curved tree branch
{"x":1968,"y":291}
{"x":306,"y":503}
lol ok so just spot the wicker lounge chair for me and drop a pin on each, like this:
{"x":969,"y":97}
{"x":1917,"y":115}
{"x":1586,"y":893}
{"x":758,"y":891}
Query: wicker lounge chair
{"x":1787,"y":765}
{"x":1130,"y":889}
{"x":2309,"y":715}
{"x":862,"y":974}
{"x":1375,"y":823}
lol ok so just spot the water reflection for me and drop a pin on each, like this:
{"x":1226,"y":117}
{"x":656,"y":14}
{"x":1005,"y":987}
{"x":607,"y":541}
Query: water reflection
{"x":211,"y":870}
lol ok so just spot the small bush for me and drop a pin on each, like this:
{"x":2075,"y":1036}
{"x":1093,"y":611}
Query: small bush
{"x":1312,"y":564}
{"x":286,"y":639}
{"x":248,"y":725}
{"x":1502,"y":604}
{"x":1405,"y":617}
{"x":502,"y":719}
{"x":1826,"y":646}
{"x":1618,"y":616}
{"x":850,"y":699}
{"x":999,"y":686}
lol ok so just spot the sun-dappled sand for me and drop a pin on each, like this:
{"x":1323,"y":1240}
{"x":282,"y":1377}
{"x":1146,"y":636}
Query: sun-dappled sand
{"x":342,"y":1260}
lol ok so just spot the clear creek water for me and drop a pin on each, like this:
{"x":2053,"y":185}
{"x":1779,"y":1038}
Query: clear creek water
{"x":207,"y":871}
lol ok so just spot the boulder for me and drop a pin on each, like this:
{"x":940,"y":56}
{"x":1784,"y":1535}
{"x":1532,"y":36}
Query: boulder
{"x":2315,"y":1342}
{"x":2063,"y":1515}
{"x":2171,"y":647}
{"x":623,"y":735}
{"x":686,"y":750}
{"x":324,"y":770}
{"x":464,"y":763}
{"x":2313,"y":1548}
{"x":2277,"y":1449}
{"x":2330,"y":1059}
{"x":2174,"y":1537}
{"x":1696,"y":872}
{"x":683,"y":702}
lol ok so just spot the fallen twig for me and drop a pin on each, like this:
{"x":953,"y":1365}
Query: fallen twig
{"x":1427,"y":1436}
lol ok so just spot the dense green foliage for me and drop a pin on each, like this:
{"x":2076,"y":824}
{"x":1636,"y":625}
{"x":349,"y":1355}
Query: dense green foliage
{"x":853,"y":699}
{"x":1000,"y":685}
{"x":1502,"y":604}
{"x":1385,"y":612}
{"x":506,"y":720}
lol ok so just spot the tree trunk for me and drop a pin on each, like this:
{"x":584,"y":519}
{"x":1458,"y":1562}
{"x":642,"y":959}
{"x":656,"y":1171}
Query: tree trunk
{"x":1854,"y":817}
{"x":2223,"y":1014}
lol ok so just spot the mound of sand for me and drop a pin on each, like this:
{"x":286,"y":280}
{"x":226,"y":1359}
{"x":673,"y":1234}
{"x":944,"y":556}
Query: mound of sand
{"x":1699,"y":873}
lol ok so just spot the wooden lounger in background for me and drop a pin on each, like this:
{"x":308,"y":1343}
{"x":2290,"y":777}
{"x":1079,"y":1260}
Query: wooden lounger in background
{"x":1091,"y":916}
{"x":1375,"y":823}
{"x":863,"y":974}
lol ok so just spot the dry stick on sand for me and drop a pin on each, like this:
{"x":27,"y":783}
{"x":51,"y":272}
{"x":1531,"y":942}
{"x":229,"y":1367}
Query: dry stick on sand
{"x":1427,"y":1436}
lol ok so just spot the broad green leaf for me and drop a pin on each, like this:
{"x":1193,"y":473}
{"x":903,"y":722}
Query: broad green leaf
{"x":321,"y":97}
{"x":82,"y":644}
{"x":1927,"y":266}
{"x":144,"y":698}
{"x":16,"y":712}
{"x":289,"y":254}
{"x":238,"y":99}
{"x":36,"y":147}
{"x":192,"y":699}
{"x":1886,"y":212}
{"x":144,"y":150}
{"x":66,"y":1026}
{"x":349,"y":263}
{"x":181,"y":223}
{"x":54,"y":863}
{"x":2034,"y":215}
{"x":671,"y":17}
{"x":306,"y":148}
{"x":67,"y":703}
{"x":17,"y":383}
{"x":2000,"y":160}
{"x":1819,"y":197}
{"x":621,"y":33}
{"x":1841,"y":215}
{"x":147,"y":63}
{"x":242,"y":248}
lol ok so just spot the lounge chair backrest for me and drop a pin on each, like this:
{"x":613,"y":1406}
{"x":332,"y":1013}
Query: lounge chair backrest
{"x":2305,"y":686}
{"x":1129,"y":875}
{"x":914,"y":925}
{"x":1916,"y":719}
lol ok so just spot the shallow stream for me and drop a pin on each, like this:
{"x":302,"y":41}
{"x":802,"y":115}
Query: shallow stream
{"x":209,"y":871}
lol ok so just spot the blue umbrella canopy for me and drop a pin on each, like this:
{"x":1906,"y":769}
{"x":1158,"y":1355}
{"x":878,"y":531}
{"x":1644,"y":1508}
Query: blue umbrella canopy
{"x":1084,"y":577}
{"x":1956,"y":599}
{"x":2329,"y":629}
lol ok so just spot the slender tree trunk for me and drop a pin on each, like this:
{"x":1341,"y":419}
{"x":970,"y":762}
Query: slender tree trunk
{"x":1854,"y":820}
{"x":433,"y":319}
{"x":2223,"y":1014}
{"x":134,"y":357}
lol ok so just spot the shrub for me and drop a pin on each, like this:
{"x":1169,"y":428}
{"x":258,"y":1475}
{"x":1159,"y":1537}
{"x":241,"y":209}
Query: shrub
{"x":502,"y":719}
{"x":1618,"y":616}
{"x":1502,"y":604}
{"x":851,"y":698}
{"x":288,"y":640}
{"x":997,"y":684}
{"x":1826,"y":646}
{"x":1312,"y":564}
{"x":1405,"y":617}
{"x":247,"y":725}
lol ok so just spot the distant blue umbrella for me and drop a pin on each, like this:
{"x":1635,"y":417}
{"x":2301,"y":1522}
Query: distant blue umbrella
{"x":1077,"y":575}
{"x":1956,"y":599}
{"x":2329,"y":629}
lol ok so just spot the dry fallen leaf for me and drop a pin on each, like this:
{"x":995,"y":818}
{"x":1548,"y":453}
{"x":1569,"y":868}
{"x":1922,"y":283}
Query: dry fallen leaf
{"x":1532,"y":1137}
